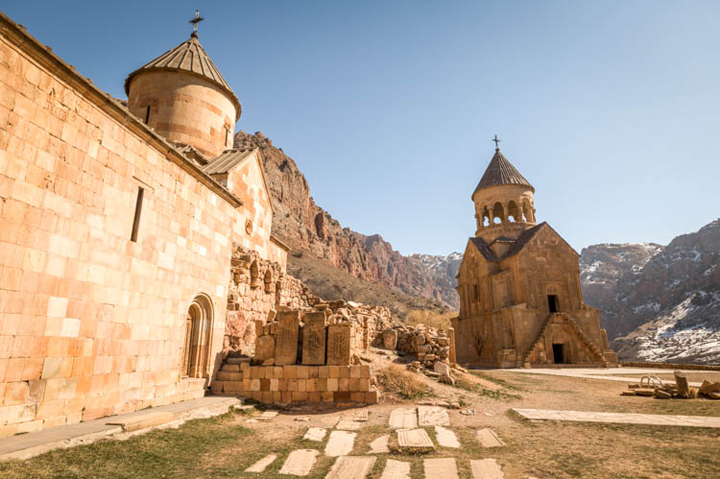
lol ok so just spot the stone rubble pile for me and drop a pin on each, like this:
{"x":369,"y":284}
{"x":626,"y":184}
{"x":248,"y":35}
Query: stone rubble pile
{"x":653,"y":386}
{"x":434,"y":348}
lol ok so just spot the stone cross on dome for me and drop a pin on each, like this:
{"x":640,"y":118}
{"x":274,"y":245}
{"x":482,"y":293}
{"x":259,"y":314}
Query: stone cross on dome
{"x":195,"y":22}
{"x":497,"y":146}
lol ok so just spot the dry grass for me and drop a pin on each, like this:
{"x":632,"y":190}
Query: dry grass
{"x":396,"y":380}
{"x":434,"y":319}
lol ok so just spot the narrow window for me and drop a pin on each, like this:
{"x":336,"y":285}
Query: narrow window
{"x":552,"y":303}
{"x":138,"y":209}
{"x":227,"y":136}
{"x":476,"y":294}
{"x":147,"y":115}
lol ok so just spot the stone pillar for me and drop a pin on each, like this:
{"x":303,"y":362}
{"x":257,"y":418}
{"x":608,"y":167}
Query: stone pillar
{"x":338,"y":350}
{"x":314,"y":336}
{"x":451,"y":339}
{"x":286,"y":340}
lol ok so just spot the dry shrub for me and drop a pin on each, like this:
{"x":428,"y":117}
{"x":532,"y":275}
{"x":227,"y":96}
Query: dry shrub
{"x":430,"y":318}
{"x":398,"y":381}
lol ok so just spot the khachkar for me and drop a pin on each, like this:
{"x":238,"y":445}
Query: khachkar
{"x":521,"y":302}
{"x":304,"y":356}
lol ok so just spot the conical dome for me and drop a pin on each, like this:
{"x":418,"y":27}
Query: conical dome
{"x":189,"y":57}
{"x":501,"y":172}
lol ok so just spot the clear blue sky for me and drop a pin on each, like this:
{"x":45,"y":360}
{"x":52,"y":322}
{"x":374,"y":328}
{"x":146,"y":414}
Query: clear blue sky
{"x":610,"y":109}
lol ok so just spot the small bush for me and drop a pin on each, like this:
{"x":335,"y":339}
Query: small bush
{"x":398,"y":381}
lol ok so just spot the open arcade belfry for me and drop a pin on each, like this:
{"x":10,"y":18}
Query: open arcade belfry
{"x":521,"y":303}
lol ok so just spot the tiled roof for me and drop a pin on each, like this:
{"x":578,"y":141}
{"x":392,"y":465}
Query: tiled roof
{"x":189,"y":57}
{"x":501,"y":172}
{"x":228,"y":159}
{"x":485,"y":249}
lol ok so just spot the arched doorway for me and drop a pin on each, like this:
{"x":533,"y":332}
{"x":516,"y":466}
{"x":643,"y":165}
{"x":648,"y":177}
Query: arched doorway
{"x":198,"y":325}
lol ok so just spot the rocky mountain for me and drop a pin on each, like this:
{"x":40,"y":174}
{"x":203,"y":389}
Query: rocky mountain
{"x":659,"y":303}
{"x":307,"y":227}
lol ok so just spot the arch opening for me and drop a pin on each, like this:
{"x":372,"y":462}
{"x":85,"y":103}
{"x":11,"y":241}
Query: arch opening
{"x":498,"y":213}
{"x":198,"y":325}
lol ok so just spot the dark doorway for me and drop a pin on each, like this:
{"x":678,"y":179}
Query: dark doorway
{"x":553,"y":303}
{"x":559,"y":353}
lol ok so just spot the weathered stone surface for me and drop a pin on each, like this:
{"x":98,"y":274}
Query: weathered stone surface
{"x":316,"y":434}
{"x":286,"y":342}
{"x":299,"y":462}
{"x":380,"y":445}
{"x":360,"y":415}
{"x":443,"y":369}
{"x":264,"y":348}
{"x":262,"y":463}
{"x":414,"y":440}
{"x":486,"y":469}
{"x":432,"y":416}
{"x":683,"y":388}
{"x":396,"y":470}
{"x":267,"y":415}
{"x":444,"y":468}
{"x":403,"y":419}
{"x":620,"y":418}
{"x":446,"y":437}
{"x":390,"y":339}
{"x":351,"y":467}
{"x":348,"y":425}
{"x":487,"y":438}
{"x":338,"y":348}
{"x":340,"y":443}
{"x":314,"y":336}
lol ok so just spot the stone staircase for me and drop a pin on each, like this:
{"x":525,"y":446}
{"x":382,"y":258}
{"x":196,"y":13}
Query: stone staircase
{"x":230,"y":369}
{"x":583,"y":339}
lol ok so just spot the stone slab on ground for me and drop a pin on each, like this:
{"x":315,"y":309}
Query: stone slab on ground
{"x":299,"y":462}
{"x":432,"y":416}
{"x":414,"y":440}
{"x":267,"y":415}
{"x":487,"y":438}
{"x":444,"y":468}
{"x":351,"y":467}
{"x":620,"y":418}
{"x":340,"y":443}
{"x":403,"y":418}
{"x":486,"y":469}
{"x":361,"y":415}
{"x":25,"y":446}
{"x":446,"y":438}
{"x":137,"y":421}
{"x":612,"y":374}
{"x":396,"y":470}
{"x":348,"y":425}
{"x":262,"y":463}
{"x":316,"y":434}
{"x":380,"y":445}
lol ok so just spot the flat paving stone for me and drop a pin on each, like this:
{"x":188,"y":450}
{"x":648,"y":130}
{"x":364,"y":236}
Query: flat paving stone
{"x":380,"y":445}
{"x":340,"y":443}
{"x":416,"y":440}
{"x":351,"y":467}
{"x":361,"y":415}
{"x":316,"y":434}
{"x":396,"y":470}
{"x":432,"y":416}
{"x":620,"y":418}
{"x":262,"y":463}
{"x":299,"y":462}
{"x":348,"y":425}
{"x":486,"y":469}
{"x":267,"y":415}
{"x":403,"y":418}
{"x":444,"y":468}
{"x":487,"y":438}
{"x":446,"y":438}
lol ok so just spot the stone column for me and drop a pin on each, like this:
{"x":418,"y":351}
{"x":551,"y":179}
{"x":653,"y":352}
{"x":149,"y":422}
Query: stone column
{"x":451,"y":339}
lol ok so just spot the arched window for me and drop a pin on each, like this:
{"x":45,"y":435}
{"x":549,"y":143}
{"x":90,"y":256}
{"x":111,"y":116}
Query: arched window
{"x":268,"y":281}
{"x":498,"y":213}
{"x":514,"y":212}
{"x":198,"y":324}
{"x":485,"y":216}
{"x":254,"y":275}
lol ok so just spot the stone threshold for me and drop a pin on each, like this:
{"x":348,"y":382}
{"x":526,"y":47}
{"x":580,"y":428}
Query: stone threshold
{"x":25,"y":446}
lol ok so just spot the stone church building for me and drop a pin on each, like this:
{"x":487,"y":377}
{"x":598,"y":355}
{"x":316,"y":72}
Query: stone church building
{"x":521,"y":303}
{"x":135,"y":242}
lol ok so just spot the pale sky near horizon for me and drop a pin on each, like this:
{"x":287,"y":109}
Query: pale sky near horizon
{"x":610,"y":109}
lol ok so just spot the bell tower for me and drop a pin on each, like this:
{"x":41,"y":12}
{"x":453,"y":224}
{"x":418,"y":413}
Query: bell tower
{"x":183,"y":96}
{"x":503,"y":199}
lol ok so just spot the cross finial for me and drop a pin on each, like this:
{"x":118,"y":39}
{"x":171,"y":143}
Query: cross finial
{"x":195,"y":22}
{"x":497,"y":146}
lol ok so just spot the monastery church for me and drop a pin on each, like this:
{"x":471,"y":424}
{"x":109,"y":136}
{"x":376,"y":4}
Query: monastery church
{"x":135,"y":242}
{"x":521,"y":302}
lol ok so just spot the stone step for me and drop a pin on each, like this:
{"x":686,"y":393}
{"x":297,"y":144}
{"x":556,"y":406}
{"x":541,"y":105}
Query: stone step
{"x":299,"y":462}
{"x":486,"y":469}
{"x":228,"y":376}
{"x":340,"y":443}
{"x":231,"y":368}
{"x":396,"y":470}
{"x":444,"y":468}
{"x":351,"y":467}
